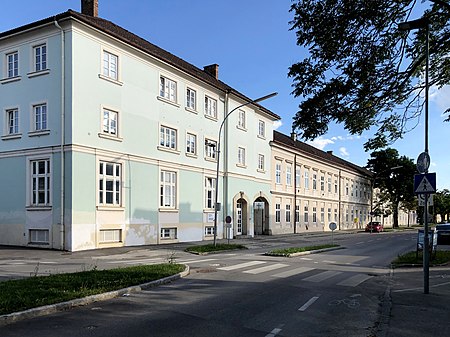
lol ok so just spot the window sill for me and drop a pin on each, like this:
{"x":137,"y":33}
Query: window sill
{"x":191,"y":155}
{"x":110,"y":208}
{"x":262,"y":137}
{"x":261,"y":171}
{"x":242,"y":128}
{"x":165,"y":100}
{"x":191,"y":110}
{"x":165,"y":149}
{"x":241,"y":165}
{"x":38,"y":73}
{"x":211,"y":117}
{"x":38,"y":208}
{"x":38,"y":133}
{"x":213,"y":160}
{"x":168,"y":210}
{"x":109,"y":79}
{"x":110,"y":137}
{"x":10,"y":79}
{"x":12,"y":136}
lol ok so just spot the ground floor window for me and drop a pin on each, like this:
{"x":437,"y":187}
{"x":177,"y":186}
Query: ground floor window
{"x":209,"y":230}
{"x":110,"y":235}
{"x":168,"y":233}
{"x":39,"y":236}
{"x":40,"y":182}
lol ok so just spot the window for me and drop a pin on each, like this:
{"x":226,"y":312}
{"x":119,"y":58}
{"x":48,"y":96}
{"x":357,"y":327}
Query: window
{"x":261,"y":162}
{"x":241,"y":119}
{"x":209,"y":230}
{"x":289,"y":175}
{"x":297,"y":176}
{"x":40,"y":117}
{"x":278,"y":173}
{"x":39,"y":236}
{"x":110,"y":184}
{"x":329,"y":184}
{"x":110,"y":235}
{"x":322,"y":183}
{"x":12,"y":117}
{"x":168,"y":233}
{"x":306,"y":179}
{"x":110,"y":122}
{"x":305,"y":213}
{"x":40,"y":57}
{"x":314,"y":214}
{"x":329,"y":214}
{"x":277,"y":213}
{"x":288,"y":213}
{"x":168,"y":189}
{"x":210,"y":190}
{"x":191,"y":99}
{"x":297,"y":212}
{"x":40,"y":182}
{"x":241,"y":156}
{"x":322,"y":214}
{"x":210,"y":107}
{"x":335,"y":186}
{"x":12,"y":64}
{"x":168,"y":89}
{"x":191,"y":144}
{"x":210,"y":148}
{"x":346,"y":188}
{"x":314,"y":181}
{"x":261,"y":129}
{"x":110,"y":65}
{"x":335,"y":215}
{"x":168,"y":138}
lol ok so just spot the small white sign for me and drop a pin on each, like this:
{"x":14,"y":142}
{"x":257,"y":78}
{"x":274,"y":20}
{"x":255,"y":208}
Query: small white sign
{"x":259,"y":204}
{"x":421,"y":198}
{"x":210,"y":217}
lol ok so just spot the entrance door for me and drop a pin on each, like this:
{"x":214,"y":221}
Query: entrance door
{"x":258,"y":216}
{"x":239,"y":218}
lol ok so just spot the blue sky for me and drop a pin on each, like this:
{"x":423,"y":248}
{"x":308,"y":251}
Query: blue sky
{"x":251,"y":42}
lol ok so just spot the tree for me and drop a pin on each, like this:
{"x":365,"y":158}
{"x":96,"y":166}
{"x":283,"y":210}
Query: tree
{"x":361,"y":70}
{"x":441,"y":204}
{"x":394,"y":177}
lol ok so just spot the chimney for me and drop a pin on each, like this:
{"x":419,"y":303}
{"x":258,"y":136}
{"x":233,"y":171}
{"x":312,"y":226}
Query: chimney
{"x":213,"y":70}
{"x":330,"y":152}
{"x":89,"y":7}
{"x":293,"y":136}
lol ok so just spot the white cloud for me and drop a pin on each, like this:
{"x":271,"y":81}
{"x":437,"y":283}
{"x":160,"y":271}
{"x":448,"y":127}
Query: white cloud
{"x":277,"y":125}
{"x":320,"y":142}
{"x":343,"y":151}
{"x":441,"y":98}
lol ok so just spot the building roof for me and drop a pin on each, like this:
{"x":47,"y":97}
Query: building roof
{"x":145,"y":46}
{"x":296,"y":145}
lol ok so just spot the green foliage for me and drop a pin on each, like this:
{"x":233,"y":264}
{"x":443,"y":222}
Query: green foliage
{"x":209,"y":248}
{"x":293,"y":250}
{"x":441,"y":201}
{"x":413,"y":258}
{"x":18,"y":295}
{"x":362,"y":71}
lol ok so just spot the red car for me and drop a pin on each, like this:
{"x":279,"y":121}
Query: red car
{"x":374,"y":226}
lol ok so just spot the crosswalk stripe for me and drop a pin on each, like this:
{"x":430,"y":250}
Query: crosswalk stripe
{"x":241,"y":265}
{"x":354,"y":280}
{"x":266,"y":268}
{"x":197,"y":261}
{"x":292,"y":272}
{"x":322,"y":276}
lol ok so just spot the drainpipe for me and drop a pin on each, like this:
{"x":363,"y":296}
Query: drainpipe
{"x":339,"y":204}
{"x":62,"y":200}
{"x":225,"y":166}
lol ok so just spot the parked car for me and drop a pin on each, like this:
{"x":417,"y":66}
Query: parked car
{"x":443,"y":234}
{"x":374,"y":226}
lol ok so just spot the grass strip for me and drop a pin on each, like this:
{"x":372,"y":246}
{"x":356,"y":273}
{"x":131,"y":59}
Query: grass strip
{"x":293,"y":250}
{"x":210,"y":248}
{"x":23,"y":294}
{"x":411,"y":258}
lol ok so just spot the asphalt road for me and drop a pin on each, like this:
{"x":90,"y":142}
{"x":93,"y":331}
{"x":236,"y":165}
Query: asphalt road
{"x":336,"y":293}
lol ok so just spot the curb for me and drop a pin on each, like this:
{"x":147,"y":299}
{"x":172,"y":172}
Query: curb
{"x":53,"y":308}
{"x":308,"y":252}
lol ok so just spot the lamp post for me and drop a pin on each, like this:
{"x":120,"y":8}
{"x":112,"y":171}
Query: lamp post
{"x":217,"y":204}
{"x":407,"y":26}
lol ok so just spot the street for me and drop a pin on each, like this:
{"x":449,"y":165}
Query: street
{"x":246,"y":293}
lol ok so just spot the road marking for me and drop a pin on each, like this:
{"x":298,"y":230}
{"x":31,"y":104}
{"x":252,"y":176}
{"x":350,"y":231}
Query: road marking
{"x":293,"y":272}
{"x":275,"y":331}
{"x":197,"y":261}
{"x":322,"y":276}
{"x":360,"y":243}
{"x":354,"y":280}
{"x":308,"y":304}
{"x":241,"y":265}
{"x":327,"y":261}
{"x":266,"y":268}
{"x":305,"y":258}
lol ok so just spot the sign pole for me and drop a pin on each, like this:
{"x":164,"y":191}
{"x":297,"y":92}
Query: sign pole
{"x":426,"y":250}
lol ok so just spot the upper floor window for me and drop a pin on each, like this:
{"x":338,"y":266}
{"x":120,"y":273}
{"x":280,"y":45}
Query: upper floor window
{"x":40,"y":117}
{"x":241,"y":156}
{"x":314,"y":181}
{"x":210,"y":107}
{"x":289,"y":175}
{"x":110,"y":121}
{"x":40,"y":182}
{"x":210,"y":148}
{"x":241,"y":119}
{"x":110,"y":65}
{"x":191,"y":144}
{"x":12,"y":64}
{"x":261,"y":129}
{"x":278,"y":173}
{"x":322,"y":183}
{"x":168,"y":189}
{"x":297,"y":176}
{"x":110,"y":181}
{"x":261,"y":162}
{"x":168,"y":89}
{"x":12,"y":117}
{"x":168,"y":137}
{"x":306,"y":179}
{"x":40,"y":57}
{"x":210,"y":189}
{"x":329,"y":184}
{"x":191,"y":99}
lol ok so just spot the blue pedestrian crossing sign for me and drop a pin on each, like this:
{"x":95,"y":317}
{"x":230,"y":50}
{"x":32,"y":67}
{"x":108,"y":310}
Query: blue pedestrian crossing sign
{"x":425,"y":183}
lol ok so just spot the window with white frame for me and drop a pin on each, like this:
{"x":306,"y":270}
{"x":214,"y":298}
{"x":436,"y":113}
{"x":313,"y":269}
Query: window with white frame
{"x":210,"y":107}
{"x":191,"y":144}
{"x":335,"y":186}
{"x":297,"y":212}
{"x":241,"y":156}
{"x":40,"y":57}
{"x":261,"y":162}
{"x":110,"y":235}
{"x":288,"y":175}
{"x":335,"y":215}
{"x":322,"y":215}
{"x":241,"y":119}
{"x":110,"y":184}
{"x":297,"y":176}
{"x":288,"y":213}
{"x":40,"y":117}
{"x":110,"y":122}
{"x":168,"y":89}
{"x":12,"y":119}
{"x":314,"y":214}
{"x":209,"y":230}
{"x":322,"y":183}
{"x":278,"y":173}
{"x":210,"y":148}
{"x":329,"y":184}
{"x":110,"y":65}
{"x":210,"y":190}
{"x":168,"y":137}
{"x":306,"y":212}
{"x":168,"y":189}
{"x":40,"y":182}
{"x":39,"y":236}
{"x":191,"y":99}
{"x":277,"y":213}
{"x":12,"y":64}
{"x":261,"y":129}
{"x":169,"y":233}
{"x":329,"y":214}
{"x":306,"y":179}
{"x":314,"y":181}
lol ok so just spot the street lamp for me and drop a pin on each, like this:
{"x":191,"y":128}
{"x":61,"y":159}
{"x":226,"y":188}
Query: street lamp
{"x":407,"y":26}
{"x":217,"y":205}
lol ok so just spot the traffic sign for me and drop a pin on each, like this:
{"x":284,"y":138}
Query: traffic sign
{"x":421,"y":198}
{"x":423,"y":162}
{"x":425,"y":183}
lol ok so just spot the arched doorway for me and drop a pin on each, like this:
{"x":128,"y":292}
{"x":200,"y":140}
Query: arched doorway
{"x":261,"y":216}
{"x":241,"y":217}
